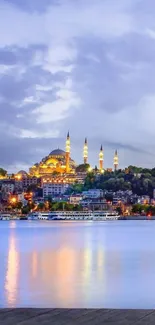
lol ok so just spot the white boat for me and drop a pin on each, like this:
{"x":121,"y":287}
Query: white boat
{"x":105,"y":215}
{"x":39,"y":216}
{"x":5,"y":216}
{"x":44,"y":216}
{"x":74,"y":215}
{"x":32,"y":216}
{"x":84,"y":215}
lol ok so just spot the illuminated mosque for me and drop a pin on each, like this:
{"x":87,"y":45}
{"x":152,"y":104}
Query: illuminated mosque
{"x":60,"y":161}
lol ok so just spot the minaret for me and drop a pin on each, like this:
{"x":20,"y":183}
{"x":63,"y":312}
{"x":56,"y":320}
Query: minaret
{"x":101,"y":159}
{"x":116,"y":161}
{"x":85,"y":152}
{"x":67,"y":153}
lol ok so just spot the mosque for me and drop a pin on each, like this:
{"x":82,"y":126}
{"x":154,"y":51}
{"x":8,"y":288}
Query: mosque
{"x":60,"y":161}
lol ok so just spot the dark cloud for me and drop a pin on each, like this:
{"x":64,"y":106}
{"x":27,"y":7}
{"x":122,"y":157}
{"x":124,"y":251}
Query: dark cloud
{"x":11,"y":55}
{"x":7,"y":57}
{"x":115,"y":74}
{"x":113,"y":78}
{"x":33,"y":5}
{"x":16,"y":85}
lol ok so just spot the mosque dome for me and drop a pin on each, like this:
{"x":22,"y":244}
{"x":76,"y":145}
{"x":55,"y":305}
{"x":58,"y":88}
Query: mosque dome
{"x":22,"y":173}
{"x":58,"y":152}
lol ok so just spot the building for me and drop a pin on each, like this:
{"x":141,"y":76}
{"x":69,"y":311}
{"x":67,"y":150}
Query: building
{"x":54,"y":189}
{"x":28,"y":181}
{"x":116,"y":161}
{"x":8,"y":186}
{"x":67,"y":178}
{"x":101,"y":160}
{"x":75,"y":199}
{"x":24,"y":180}
{"x":58,"y":161}
{"x":85,"y":152}
{"x":93,"y":194}
{"x":95,"y":204}
{"x":80,"y":177}
{"x":144,"y":199}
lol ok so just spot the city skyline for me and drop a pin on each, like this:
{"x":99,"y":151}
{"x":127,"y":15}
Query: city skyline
{"x":94,"y":77}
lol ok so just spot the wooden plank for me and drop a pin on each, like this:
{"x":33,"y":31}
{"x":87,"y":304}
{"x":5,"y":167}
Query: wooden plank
{"x":32,"y":316}
{"x":147,"y":320}
{"x":18,"y":315}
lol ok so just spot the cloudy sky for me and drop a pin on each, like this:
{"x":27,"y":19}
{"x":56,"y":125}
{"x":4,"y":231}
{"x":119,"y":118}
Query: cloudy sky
{"x":87,"y":66}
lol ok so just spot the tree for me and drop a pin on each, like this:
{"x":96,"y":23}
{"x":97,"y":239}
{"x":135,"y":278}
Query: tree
{"x":3,"y":172}
{"x":137,"y":208}
{"x":26,"y":209}
{"x":55,"y":173}
{"x":19,"y":205}
{"x":82,"y":168}
{"x":41,"y":206}
{"x":32,"y":188}
{"x":119,"y":210}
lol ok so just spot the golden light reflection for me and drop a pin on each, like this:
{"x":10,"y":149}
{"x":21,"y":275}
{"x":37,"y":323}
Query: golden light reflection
{"x":12,"y":274}
{"x":100,"y":263}
{"x":55,"y":271}
{"x":87,"y":263}
{"x":34,"y":265}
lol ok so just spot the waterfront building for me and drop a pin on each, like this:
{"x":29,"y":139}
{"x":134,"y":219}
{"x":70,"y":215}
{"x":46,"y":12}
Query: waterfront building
{"x":94,"y":204}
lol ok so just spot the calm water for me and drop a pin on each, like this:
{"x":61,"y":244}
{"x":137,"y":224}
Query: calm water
{"x":77,"y":264}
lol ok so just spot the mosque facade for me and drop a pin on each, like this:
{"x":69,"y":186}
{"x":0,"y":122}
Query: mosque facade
{"x":60,"y":161}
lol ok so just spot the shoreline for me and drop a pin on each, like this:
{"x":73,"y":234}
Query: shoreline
{"x":122,"y":218}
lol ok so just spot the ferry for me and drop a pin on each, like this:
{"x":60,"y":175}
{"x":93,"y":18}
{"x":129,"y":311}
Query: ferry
{"x":5,"y":216}
{"x":84,"y":215}
{"x":39,"y":216}
{"x":74,"y":215}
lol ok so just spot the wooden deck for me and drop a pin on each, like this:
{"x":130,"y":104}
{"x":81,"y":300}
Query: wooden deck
{"x":28,"y":316}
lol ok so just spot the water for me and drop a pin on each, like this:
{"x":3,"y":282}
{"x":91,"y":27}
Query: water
{"x":77,"y":264}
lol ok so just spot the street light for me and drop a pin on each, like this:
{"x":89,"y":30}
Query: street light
{"x":13,"y":200}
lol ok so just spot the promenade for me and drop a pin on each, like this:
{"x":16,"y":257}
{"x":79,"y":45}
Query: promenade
{"x":32,"y":316}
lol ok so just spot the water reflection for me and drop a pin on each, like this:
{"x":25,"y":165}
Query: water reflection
{"x":12,"y":273}
{"x":74,"y":265}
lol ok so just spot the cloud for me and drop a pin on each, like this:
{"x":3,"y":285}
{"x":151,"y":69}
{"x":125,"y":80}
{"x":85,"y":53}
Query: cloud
{"x":87,"y":66}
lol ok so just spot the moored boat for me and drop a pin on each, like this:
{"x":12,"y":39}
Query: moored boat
{"x":84,"y":215}
{"x":5,"y":216}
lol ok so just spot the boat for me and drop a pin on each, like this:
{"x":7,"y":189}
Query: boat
{"x":84,"y":215}
{"x":5,"y":216}
{"x":105,"y":215}
{"x":74,"y":215}
{"x":39,"y":216}
{"x":32,"y":216}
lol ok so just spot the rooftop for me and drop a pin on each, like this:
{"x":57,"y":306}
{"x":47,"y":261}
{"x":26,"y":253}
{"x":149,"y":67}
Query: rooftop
{"x":58,"y":152}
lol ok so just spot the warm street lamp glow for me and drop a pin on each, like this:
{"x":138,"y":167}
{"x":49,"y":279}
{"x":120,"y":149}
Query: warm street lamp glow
{"x":13,"y":200}
{"x":18,"y":177}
